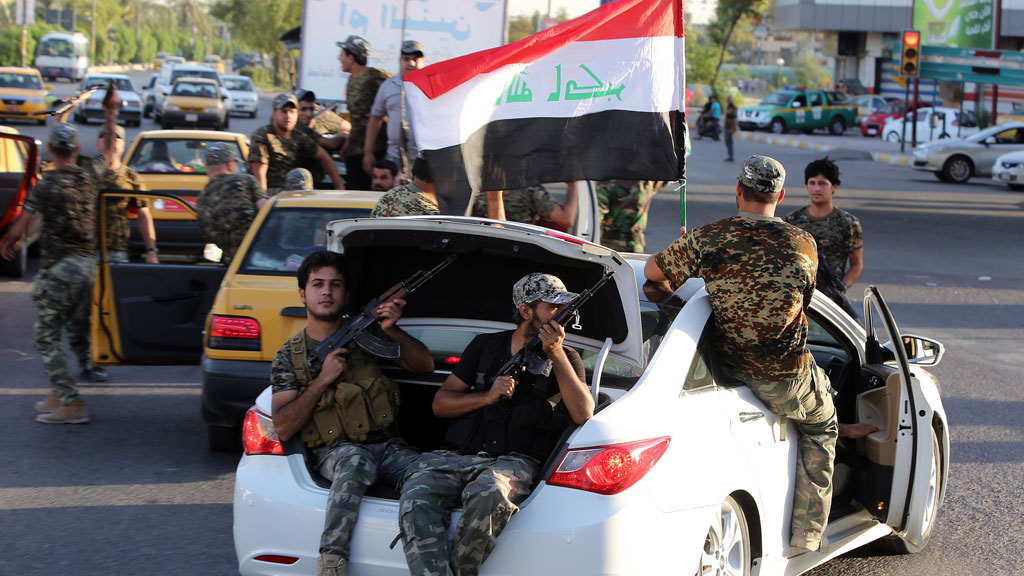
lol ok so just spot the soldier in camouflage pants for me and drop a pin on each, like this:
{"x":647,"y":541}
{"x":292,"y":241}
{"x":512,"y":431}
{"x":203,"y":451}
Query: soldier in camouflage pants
{"x":759,"y":272}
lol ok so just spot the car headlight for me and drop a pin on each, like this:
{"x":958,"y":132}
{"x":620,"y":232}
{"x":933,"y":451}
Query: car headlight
{"x":211,"y":110}
{"x":171,"y":107}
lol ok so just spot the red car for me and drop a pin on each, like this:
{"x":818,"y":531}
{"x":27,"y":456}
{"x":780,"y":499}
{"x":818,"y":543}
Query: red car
{"x":872,"y":125}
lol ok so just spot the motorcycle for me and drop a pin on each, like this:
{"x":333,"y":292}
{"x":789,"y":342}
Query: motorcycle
{"x":710,"y":127}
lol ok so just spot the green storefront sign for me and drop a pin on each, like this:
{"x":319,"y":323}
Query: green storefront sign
{"x":956,"y":23}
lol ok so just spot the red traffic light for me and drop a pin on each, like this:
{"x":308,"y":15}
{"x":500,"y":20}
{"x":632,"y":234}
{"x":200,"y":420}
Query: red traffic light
{"x":911,"y":38}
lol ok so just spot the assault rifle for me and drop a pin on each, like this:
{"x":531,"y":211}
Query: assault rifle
{"x":355,"y":331}
{"x":530,"y":357}
{"x":62,"y":105}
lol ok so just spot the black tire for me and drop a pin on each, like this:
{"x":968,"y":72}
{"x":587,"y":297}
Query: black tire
{"x":837,"y":126}
{"x":252,"y":114}
{"x":778,"y":126}
{"x":224,"y":438}
{"x":227,"y":123}
{"x":1016,"y":187}
{"x":893,"y":543}
{"x":17,"y":267}
{"x":42,"y":121}
{"x":958,"y":169}
{"x":941,"y":176}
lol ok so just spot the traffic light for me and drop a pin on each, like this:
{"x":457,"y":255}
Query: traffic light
{"x":910,"y":55}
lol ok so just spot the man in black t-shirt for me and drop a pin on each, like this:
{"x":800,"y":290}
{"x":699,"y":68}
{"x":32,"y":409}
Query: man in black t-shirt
{"x":502,"y":429}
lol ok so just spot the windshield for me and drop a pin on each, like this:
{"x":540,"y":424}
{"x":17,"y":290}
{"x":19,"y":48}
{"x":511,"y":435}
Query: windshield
{"x":777,"y":99}
{"x":100,"y":82}
{"x":56,"y":47}
{"x":175,"y":156}
{"x":195,"y":74}
{"x":287,"y":235}
{"x":195,"y":89}
{"x":20,"y":81}
{"x":1002,"y":134}
{"x":240,"y":84}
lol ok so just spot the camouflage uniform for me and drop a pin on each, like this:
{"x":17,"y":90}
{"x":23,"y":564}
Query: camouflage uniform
{"x":316,"y":169}
{"x":351,"y":467}
{"x":838,"y":235}
{"x":522,"y":205}
{"x":623,"y":205}
{"x":360,"y":94}
{"x":759,"y":272}
{"x":65,"y":199}
{"x":407,"y":200}
{"x":327,"y":122}
{"x":226,"y":207}
{"x":280,"y":155}
{"x":118,"y":223}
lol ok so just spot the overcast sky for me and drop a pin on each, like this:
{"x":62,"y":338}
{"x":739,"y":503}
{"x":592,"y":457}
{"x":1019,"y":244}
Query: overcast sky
{"x":700,"y":9}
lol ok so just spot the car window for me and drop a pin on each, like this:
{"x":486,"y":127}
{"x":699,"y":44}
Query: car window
{"x":20,"y":81}
{"x":195,"y":74}
{"x":815,"y":99}
{"x":700,"y":374}
{"x":175,"y":156}
{"x":287,"y":235}
{"x":122,"y":84}
{"x":194,"y":89}
{"x":798,"y":102}
{"x":240,"y":84}
{"x":1011,"y":136}
{"x":776,"y":99}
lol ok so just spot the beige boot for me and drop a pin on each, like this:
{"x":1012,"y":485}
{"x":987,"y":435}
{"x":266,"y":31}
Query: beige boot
{"x":331,"y":565}
{"x":73,"y":413}
{"x":51,"y":403}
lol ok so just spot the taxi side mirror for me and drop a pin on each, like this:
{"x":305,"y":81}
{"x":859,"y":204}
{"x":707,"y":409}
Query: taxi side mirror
{"x":923,"y":351}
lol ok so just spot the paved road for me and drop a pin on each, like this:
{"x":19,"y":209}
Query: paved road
{"x":136,"y":491}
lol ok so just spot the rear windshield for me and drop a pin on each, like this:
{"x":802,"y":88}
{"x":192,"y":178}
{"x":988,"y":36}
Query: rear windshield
{"x":240,"y":84}
{"x":176,"y":156}
{"x":195,"y":74}
{"x":123,"y":84}
{"x":288,"y":235}
{"x":195,"y":89}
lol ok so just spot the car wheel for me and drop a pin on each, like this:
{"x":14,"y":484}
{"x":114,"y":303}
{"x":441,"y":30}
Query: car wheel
{"x":894,"y":543}
{"x":892,"y":137}
{"x":837,"y":126}
{"x":958,"y":169}
{"x":42,"y":121}
{"x":227,"y":123}
{"x":224,"y":438}
{"x":166,"y":125}
{"x":778,"y":126}
{"x":727,"y":548}
{"x":17,"y":266}
{"x":252,"y":114}
{"x":1016,"y":187}
{"x":941,"y":176}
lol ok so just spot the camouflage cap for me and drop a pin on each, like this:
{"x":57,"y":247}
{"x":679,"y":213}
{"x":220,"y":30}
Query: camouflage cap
{"x":219,"y":153}
{"x":305,"y":95}
{"x":298,"y":179}
{"x":284,"y":99}
{"x":762,"y":174}
{"x":543,"y":287}
{"x":63,"y":136}
{"x":412,"y":47}
{"x":118,"y":132}
{"x":355,"y":45}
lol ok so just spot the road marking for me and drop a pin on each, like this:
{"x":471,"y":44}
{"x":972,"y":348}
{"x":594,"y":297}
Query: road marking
{"x":38,"y":497}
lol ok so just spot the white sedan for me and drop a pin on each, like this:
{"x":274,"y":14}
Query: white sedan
{"x":935,"y":123}
{"x":244,"y":95}
{"x":677,"y":470}
{"x":1009,"y":168}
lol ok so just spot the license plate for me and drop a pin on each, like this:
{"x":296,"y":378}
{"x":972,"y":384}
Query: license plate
{"x":191,"y":117}
{"x":872,"y":131}
{"x":1006,"y":176}
{"x":12,"y":108}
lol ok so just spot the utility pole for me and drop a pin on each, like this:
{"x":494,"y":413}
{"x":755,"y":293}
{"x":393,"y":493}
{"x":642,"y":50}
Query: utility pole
{"x":92,"y":34}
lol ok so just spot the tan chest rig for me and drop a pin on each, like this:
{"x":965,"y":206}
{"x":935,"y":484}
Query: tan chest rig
{"x":362,"y":402}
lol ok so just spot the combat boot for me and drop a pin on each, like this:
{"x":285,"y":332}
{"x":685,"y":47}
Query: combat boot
{"x":73,"y":413}
{"x":50,"y":403}
{"x":94,"y":374}
{"x":331,"y":565}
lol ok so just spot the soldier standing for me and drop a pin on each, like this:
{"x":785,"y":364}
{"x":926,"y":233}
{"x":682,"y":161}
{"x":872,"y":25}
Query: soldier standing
{"x":65,"y":199}
{"x":623,"y":205}
{"x":229,"y":201}
{"x":363,"y":83}
{"x":759,"y":272}
{"x":389,"y":103}
{"x":278,"y":147}
{"x":533,"y":204}
{"x":412,"y":199}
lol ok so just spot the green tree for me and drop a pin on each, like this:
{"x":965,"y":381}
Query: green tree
{"x":127,"y":44}
{"x":809,"y":71}
{"x":728,"y":15}
{"x":147,"y":47}
{"x":259,"y":23}
{"x":520,"y":26}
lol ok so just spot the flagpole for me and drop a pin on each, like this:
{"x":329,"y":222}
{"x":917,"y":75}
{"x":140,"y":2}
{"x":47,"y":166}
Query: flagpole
{"x":681,"y":59}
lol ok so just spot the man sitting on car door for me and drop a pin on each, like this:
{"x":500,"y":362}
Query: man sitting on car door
{"x":503,"y":429}
{"x":322,"y":402}
{"x":759,"y":272}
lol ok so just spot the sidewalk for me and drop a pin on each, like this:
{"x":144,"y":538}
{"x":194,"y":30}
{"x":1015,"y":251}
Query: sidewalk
{"x":850,"y":144}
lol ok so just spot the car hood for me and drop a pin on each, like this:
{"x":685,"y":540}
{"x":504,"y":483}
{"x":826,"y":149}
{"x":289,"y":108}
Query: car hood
{"x":124,"y":95}
{"x":759,"y":108}
{"x":948,"y":144}
{"x":476,"y":289}
{"x":1017,"y":156}
{"x":21,"y":93}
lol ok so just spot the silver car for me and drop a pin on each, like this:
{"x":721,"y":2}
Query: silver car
{"x":244,"y":96}
{"x":92,"y":109}
{"x":958,"y":160}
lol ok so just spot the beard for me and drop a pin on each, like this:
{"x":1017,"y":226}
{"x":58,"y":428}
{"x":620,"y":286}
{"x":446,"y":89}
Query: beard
{"x":330,"y":315}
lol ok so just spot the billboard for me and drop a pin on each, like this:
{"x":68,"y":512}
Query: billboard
{"x":445,"y":28}
{"x":956,"y":23}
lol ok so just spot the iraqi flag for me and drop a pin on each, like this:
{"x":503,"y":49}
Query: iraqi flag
{"x":599,"y":97}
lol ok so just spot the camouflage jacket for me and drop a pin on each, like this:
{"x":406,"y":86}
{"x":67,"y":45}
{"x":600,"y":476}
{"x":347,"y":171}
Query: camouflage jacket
{"x":360,"y":94}
{"x":65,"y":199}
{"x":838,"y":235}
{"x":124,"y":178}
{"x":316,"y":169}
{"x":406,"y":200}
{"x":623,"y":205}
{"x":759,"y":272}
{"x":280,"y":155}
{"x":326,"y":123}
{"x":226,"y":208}
{"x":522,"y":205}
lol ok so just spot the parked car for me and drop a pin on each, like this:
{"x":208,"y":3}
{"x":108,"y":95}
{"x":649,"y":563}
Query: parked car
{"x":148,"y":98}
{"x":244,"y":95}
{"x":19,"y":169}
{"x":1016,"y":114}
{"x":214,"y":61}
{"x":872,"y":125}
{"x":957,"y":160}
{"x":195,"y":102}
{"x":868,"y":104}
{"x":158,"y":61}
{"x":92,"y":109}
{"x":784,"y":110}
{"x":933,"y":123}
{"x":1009,"y":168}
{"x":23,"y":94}
{"x":170,"y":73}
{"x":678,"y":468}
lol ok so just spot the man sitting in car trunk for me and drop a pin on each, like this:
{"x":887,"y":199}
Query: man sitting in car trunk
{"x":325,"y":402}
{"x":503,"y":429}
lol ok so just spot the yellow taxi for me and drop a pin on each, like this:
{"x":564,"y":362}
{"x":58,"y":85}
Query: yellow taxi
{"x":196,"y":102}
{"x":1016,"y":114}
{"x":159,"y":60}
{"x":17,"y":154}
{"x":215,"y":62}
{"x":23,"y":94}
{"x":231,"y":320}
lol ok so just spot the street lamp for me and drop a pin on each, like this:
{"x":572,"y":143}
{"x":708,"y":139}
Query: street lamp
{"x":779,"y":63}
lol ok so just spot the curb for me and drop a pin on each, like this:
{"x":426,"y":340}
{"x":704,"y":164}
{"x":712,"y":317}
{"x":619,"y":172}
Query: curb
{"x":892,"y":159}
{"x":881,"y":157}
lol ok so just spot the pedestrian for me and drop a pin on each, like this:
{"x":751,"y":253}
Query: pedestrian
{"x":383,"y":175}
{"x":65,"y":200}
{"x":502,"y":429}
{"x":759,"y":272}
{"x":325,"y":127}
{"x":837,"y":232}
{"x":299,"y":179}
{"x":623,"y":206}
{"x":535,"y":205}
{"x":277,"y":148}
{"x":229,"y":202}
{"x":363,"y":83}
{"x":412,"y":199}
{"x":731,"y":114}
{"x":322,"y":401}
{"x":389,"y":103}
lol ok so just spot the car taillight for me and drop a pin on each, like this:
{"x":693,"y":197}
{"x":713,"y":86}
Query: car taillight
{"x":234,"y":333}
{"x":259,"y":436}
{"x":608,"y":469}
